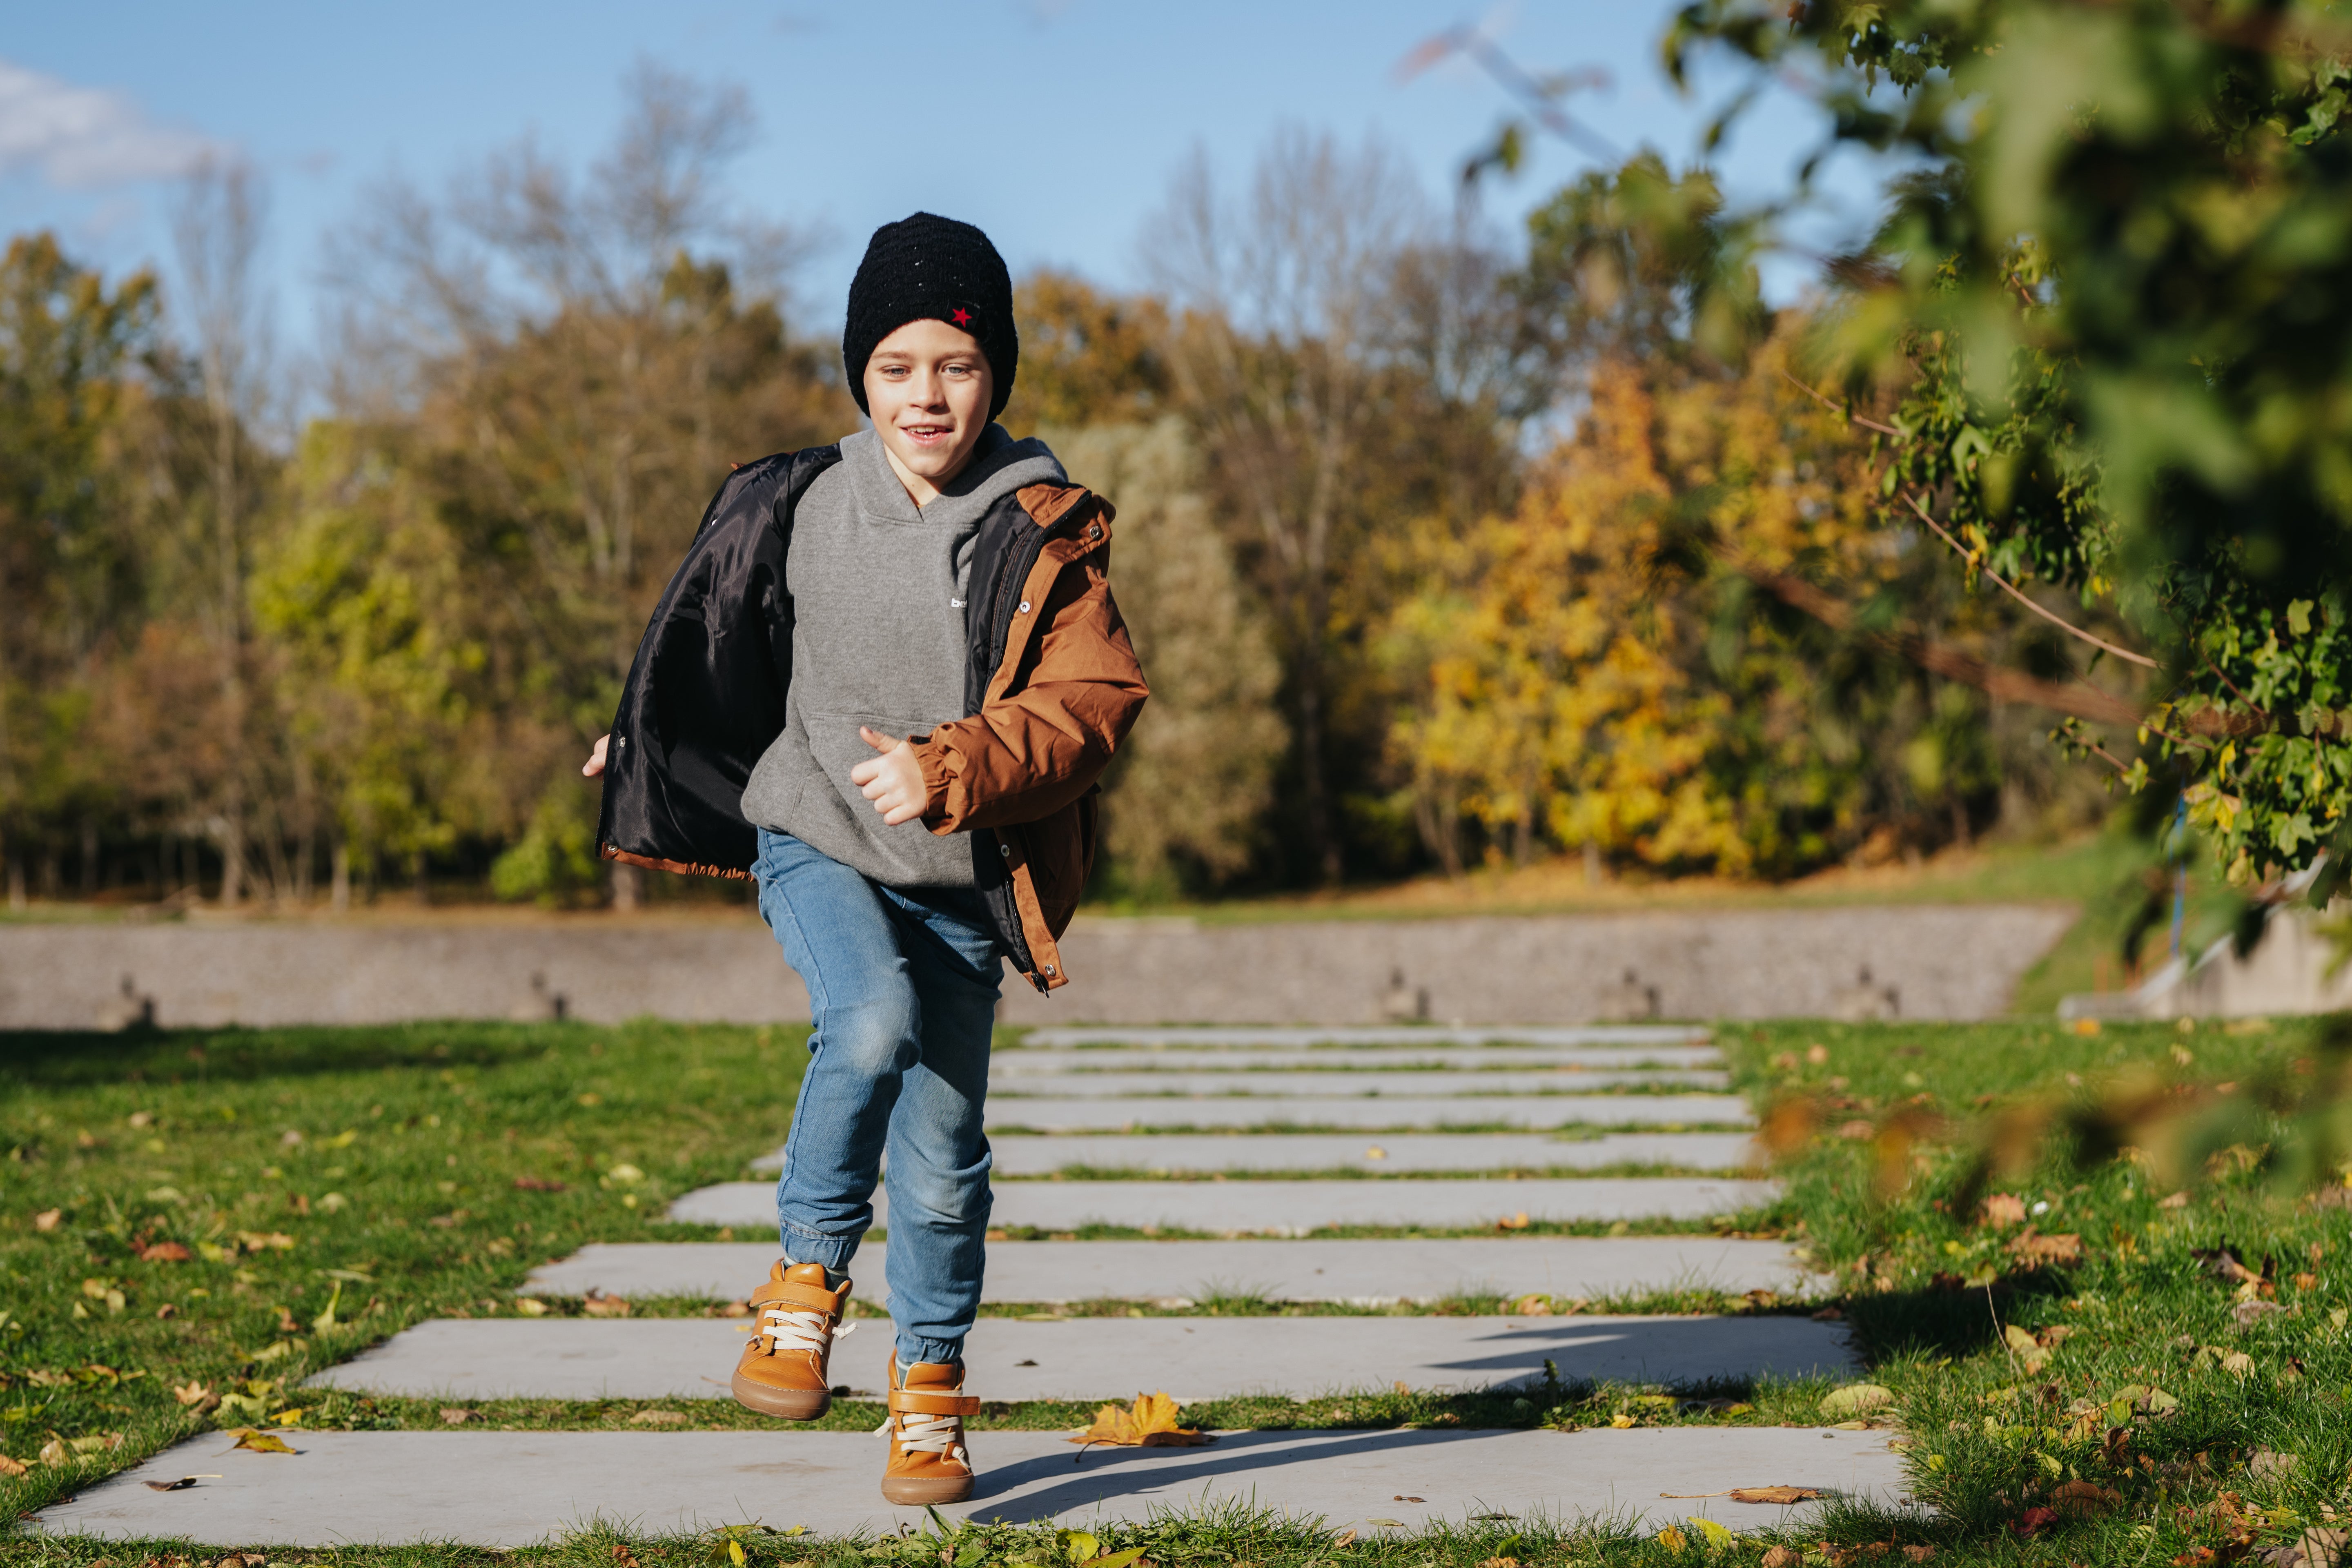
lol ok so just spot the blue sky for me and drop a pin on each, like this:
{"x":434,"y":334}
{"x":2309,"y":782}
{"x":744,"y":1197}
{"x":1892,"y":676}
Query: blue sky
{"x":1055,"y":125}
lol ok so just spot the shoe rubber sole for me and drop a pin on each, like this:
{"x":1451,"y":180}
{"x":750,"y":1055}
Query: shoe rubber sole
{"x":786,"y":1403}
{"x":917,"y":1491}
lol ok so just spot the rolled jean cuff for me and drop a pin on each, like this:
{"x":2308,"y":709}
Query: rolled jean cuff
{"x":807,"y":1247}
{"x":936,"y":1351}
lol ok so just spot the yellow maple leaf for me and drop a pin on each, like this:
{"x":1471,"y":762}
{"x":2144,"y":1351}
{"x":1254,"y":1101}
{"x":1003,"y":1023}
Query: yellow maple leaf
{"x":1151,"y":1424}
{"x":259,"y":1442}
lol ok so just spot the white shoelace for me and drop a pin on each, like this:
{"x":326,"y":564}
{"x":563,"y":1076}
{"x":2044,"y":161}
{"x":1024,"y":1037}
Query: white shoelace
{"x":929,"y":1434}
{"x":799,"y":1329}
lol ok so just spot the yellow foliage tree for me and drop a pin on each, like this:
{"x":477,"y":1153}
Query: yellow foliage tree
{"x":1594,"y":669}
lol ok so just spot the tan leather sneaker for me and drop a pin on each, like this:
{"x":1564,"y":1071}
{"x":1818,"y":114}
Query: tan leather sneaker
{"x":782,"y":1372}
{"x":928,"y":1463}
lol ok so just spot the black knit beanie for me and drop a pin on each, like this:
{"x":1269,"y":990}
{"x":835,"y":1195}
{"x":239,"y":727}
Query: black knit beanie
{"x":927,"y":268}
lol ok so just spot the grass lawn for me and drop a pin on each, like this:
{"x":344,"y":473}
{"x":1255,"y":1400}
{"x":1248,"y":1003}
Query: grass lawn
{"x":329,"y":1187}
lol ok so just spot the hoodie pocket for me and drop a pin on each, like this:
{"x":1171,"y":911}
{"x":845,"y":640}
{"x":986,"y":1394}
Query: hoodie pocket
{"x":833,"y":742}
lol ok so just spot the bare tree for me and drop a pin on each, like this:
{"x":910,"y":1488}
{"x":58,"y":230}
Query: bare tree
{"x":217,"y":227}
{"x":1284,"y":296}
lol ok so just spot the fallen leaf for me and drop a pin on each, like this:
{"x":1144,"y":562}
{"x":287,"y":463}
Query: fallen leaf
{"x":2002,"y":1209}
{"x":537,"y":1184}
{"x":1344,"y":1538}
{"x":1375,"y":1152}
{"x":2270,"y":1465}
{"x":182,"y":1484}
{"x":1500,"y":1563}
{"x":596,"y":1304}
{"x":2248,"y":1313}
{"x":1621,"y":1420}
{"x":2306,"y":1281}
{"x":9,"y":1466}
{"x":1783,"y":1557}
{"x":455,"y":1416}
{"x":2086,"y":1026}
{"x":1151,"y":1424}
{"x":1533,"y":1307}
{"x":1672,"y":1539}
{"x":47,"y":1219}
{"x":2035,"y":1520}
{"x":2179,"y":1200}
{"x":2238,"y":1363}
{"x":259,"y":1442}
{"x":622,"y":1557}
{"x":1401,"y":1498}
{"x":1856,"y":1399}
{"x":2085,"y":1500}
{"x":1829,"y":1315}
{"x":530,"y":1307}
{"x":2224,"y":1263}
{"x":1856,"y":1131}
{"x":1717,"y":1536}
{"x":2035,"y":1247}
{"x":1774,"y":1494}
{"x":657,"y":1419}
{"x":1387,"y":1523}
{"x":55,"y":1452}
{"x":2316,"y":1548}
{"x":164,"y":1252}
{"x":1920,"y":1553}
{"x":1513,"y":1222}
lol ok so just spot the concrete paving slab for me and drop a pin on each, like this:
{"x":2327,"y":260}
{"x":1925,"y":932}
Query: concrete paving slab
{"x":1546,"y":1111}
{"x":1294,"y":1207}
{"x":1099,"y":1358}
{"x":1338,"y":1085}
{"x":1368,"y":1273}
{"x":518,"y":1489}
{"x":1387,"y":1154}
{"x":1023,"y":1061}
{"x":1247,"y":1037}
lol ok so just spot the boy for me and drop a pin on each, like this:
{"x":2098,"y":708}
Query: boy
{"x":883,"y":684}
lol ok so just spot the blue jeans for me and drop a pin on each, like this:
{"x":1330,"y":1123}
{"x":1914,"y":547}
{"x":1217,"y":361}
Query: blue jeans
{"x":902,"y":989}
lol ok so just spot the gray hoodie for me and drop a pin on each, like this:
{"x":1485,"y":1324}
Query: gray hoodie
{"x":879,"y":587}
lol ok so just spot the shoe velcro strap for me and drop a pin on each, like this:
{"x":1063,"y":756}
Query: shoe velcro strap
{"x":924,"y":1402}
{"x":792,"y":1293}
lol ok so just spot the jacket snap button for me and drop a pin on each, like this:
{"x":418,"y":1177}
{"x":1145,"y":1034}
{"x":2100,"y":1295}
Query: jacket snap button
{"x":1049,"y":968}
{"x":1006,"y":850}
{"x":1024,"y":607}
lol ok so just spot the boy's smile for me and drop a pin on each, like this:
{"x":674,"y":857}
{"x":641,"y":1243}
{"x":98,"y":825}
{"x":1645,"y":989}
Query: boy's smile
{"x":929,"y":387}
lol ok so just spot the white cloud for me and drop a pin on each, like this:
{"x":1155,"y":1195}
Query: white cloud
{"x":83,"y":136}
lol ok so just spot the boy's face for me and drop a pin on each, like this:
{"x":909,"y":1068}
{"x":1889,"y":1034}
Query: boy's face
{"x":927,"y":388}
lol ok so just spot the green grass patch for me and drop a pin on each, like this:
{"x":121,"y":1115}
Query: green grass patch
{"x":2120,"y":1397}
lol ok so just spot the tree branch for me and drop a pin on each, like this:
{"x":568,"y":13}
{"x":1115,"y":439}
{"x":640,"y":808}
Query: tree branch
{"x":1845,"y":409}
{"x":2079,"y":699}
{"x":2064,"y":626}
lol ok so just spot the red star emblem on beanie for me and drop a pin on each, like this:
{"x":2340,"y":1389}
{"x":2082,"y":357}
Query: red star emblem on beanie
{"x":960,"y":316}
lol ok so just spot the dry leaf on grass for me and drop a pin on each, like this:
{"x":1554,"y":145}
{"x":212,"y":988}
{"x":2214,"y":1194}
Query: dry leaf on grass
{"x":2085,"y":1500}
{"x":1151,"y":1424}
{"x":9,"y":1466}
{"x":537,"y":1184}
{"x":596,"y":1304}
{"x":47,"y":1219}
{"x":2035,"y":1248}
{"x":1344,"y":1538}
{"x":164,"y":1252}
{"x":2003,"y":1210}
{"x":658,"y":1419}
{"x":1856,"y":1399}
{"x":1783,"y":1557}
{"x":1775,"y":1494}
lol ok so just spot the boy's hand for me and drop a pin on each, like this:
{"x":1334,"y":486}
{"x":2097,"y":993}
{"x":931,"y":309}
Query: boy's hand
{"x":893,"y":781}
{"x":595,"y":763}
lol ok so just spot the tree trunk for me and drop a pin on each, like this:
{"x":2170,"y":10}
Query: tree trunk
{"x":88,"y":858}
{"x":628,"y":884}
{"x":338,"y":895}
{"x":17,"y":900}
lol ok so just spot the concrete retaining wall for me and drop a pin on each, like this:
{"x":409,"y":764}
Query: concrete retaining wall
{"x":1911,"y":961}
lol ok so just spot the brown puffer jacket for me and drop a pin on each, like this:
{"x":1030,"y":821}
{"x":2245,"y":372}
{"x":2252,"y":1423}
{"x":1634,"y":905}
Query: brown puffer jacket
{"x":1052,"y":687}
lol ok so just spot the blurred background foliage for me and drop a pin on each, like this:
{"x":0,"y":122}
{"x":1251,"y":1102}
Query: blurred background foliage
{"x":1445,"y":548}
